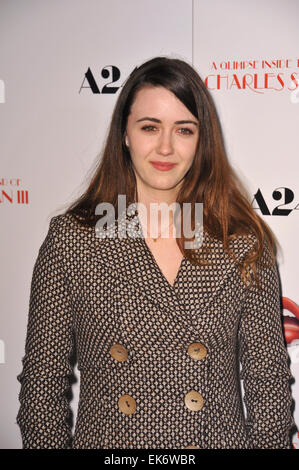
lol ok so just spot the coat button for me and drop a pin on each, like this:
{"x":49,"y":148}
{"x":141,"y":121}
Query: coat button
{"x":119,"y":352}
{"x":127,"y":404}
{"x":192,"y":447}
{"x":197,"y":351}
{"x":194,"y":400}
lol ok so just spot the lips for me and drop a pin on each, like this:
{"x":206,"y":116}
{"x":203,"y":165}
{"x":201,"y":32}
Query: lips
{"x":163,"y":166}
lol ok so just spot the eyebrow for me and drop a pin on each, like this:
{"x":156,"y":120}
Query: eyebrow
{"x":158,"y":121}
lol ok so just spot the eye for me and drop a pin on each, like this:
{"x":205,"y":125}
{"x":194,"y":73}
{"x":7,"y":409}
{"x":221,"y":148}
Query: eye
{"x":186,"y":131}
{"x":148,"y":128}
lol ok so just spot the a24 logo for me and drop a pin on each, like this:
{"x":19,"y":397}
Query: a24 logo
{"x":286,"y":195}
{"x":109,"y":72}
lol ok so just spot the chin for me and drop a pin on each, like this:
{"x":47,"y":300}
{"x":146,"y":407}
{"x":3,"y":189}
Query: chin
{"x":163,"y":184}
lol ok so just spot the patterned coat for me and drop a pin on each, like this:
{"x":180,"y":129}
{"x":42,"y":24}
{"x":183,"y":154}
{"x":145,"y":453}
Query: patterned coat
{"x":159,"y":364}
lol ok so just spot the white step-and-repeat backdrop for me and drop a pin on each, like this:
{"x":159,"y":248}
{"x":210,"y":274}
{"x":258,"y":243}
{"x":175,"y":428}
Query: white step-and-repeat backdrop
{"x":62,"y":63}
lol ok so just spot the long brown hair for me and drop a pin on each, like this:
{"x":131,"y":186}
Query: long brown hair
{"x":227,"y":211}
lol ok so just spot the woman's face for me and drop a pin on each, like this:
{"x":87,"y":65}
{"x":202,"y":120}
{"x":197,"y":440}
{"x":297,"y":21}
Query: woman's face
{"x":160,"y":129}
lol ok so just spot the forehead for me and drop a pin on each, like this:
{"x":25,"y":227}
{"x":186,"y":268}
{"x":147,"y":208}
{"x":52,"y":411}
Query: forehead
{"x":154,"y":101}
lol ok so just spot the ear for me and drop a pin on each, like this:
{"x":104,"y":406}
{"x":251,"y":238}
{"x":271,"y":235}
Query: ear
{"x":125,"y":139}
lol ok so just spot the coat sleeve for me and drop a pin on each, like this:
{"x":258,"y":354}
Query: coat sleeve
{"x":264,"y":361}
{"x":44,"y":409}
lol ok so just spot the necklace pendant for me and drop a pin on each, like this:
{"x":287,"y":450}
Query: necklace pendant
{"x":155,"y":239}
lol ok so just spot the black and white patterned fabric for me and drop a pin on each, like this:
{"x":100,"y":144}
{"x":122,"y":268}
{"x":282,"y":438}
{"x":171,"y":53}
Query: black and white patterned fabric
{"x":112,"y":292}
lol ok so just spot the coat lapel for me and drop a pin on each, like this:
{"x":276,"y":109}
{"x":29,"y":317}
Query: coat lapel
{"x":194,"y":287}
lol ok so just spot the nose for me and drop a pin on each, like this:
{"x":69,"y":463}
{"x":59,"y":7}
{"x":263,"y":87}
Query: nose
{"x":164,"y":144}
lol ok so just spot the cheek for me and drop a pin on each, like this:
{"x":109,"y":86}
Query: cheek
{"x":187,"y":152}
{"x":140,"y":147}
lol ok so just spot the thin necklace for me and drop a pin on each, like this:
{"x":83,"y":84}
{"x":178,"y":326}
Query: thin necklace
{"x":159,"y":236}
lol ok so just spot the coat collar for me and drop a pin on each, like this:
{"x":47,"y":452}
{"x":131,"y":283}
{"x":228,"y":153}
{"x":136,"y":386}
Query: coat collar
{"x":195,"y":286}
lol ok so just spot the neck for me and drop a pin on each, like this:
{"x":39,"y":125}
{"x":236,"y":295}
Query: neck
{"x":154,"y":202}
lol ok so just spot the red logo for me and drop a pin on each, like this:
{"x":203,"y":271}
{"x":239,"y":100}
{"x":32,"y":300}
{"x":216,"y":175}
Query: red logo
{"x":291,"y":323}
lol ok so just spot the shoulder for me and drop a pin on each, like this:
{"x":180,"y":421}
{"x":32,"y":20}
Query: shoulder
{"x":66,"y":229}
{"x":243,"y":244}
{"x":238,"y":246}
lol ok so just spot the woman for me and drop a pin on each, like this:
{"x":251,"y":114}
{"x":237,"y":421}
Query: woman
{"x":159,"y":327}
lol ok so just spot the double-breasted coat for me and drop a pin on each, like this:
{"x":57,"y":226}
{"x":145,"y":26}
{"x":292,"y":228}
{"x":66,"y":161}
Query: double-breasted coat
{"x":159,"y":364}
